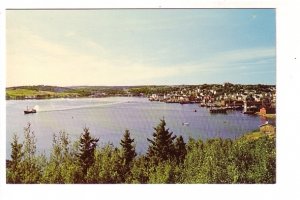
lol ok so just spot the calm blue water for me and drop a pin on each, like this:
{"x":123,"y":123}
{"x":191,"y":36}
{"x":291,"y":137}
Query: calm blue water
{"x":107,"y":119}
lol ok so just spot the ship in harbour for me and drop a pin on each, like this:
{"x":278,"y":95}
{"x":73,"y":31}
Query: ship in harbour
{"x":29,"y":111}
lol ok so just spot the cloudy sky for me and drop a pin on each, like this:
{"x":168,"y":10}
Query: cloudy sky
{"x":140,"y":46}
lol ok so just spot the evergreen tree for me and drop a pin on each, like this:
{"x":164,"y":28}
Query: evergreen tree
{"x":128,"y":149}
{"x":180,"y":149}
{"x":16,"y":152}
{"x":161,"y":148}
{"x":14,"y":168}
{"x":87,"y":146}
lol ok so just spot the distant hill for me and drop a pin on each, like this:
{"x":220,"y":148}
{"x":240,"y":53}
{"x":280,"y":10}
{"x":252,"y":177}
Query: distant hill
{"x":47,"y":92}
{"x":40,"y":92}
{"x":42,"y":88}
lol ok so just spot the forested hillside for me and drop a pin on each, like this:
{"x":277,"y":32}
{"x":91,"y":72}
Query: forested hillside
{"x":169,"y":159}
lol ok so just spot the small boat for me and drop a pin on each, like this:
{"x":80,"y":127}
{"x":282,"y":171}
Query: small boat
{"x":29,"y":111}
{"x":218,"y":110}
{"x":185,"y":124}
{"x":249,"y":112}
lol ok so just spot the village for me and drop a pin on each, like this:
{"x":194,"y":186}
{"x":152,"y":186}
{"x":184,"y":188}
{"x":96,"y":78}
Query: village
{"x":250,"y":99}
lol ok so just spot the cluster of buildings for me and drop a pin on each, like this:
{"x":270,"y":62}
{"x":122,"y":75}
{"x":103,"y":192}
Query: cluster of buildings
{"x":250,"y":99}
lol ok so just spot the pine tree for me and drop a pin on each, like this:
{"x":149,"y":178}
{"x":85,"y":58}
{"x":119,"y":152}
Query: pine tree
{"x":128,"y":149}
{"x":180,"y":149}
{"x":161,"y":148}
{"x":87,"y":146}
{"x":16,"y":152}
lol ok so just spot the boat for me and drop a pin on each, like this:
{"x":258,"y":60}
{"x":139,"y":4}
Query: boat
{"x":249,"y":112}
{"x":218,"y":110}
{"x":29,"y":111}
{"x":240,"y":108}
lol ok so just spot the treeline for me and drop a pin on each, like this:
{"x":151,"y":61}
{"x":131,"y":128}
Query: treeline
{"x":149,"y":90}
{"x":42,"y":88}
{"x":168,"y":160}
{"x":46,"y":92}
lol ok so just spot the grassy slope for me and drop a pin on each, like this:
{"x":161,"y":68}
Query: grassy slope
{"x":256,"y":135}
{"x":13,"y":93}
{"x":25,"y":92}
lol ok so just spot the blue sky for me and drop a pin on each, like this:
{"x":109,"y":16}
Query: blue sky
{"x":140,"y":46}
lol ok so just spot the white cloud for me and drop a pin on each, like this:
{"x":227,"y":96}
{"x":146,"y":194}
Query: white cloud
{"x":236,"y":59}
{"x":32,"y":60}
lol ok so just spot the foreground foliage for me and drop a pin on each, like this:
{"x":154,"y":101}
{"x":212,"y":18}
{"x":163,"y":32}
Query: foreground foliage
{"x":168,"y":160}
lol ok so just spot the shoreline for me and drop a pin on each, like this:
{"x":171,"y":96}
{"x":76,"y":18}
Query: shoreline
{"x":270,"y":116}
{"x":84,"y":97}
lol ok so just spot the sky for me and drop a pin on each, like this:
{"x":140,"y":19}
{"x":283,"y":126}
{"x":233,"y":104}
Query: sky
{"x":140,"y":47}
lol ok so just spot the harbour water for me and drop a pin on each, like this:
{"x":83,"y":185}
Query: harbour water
{"x":107,"y":119}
